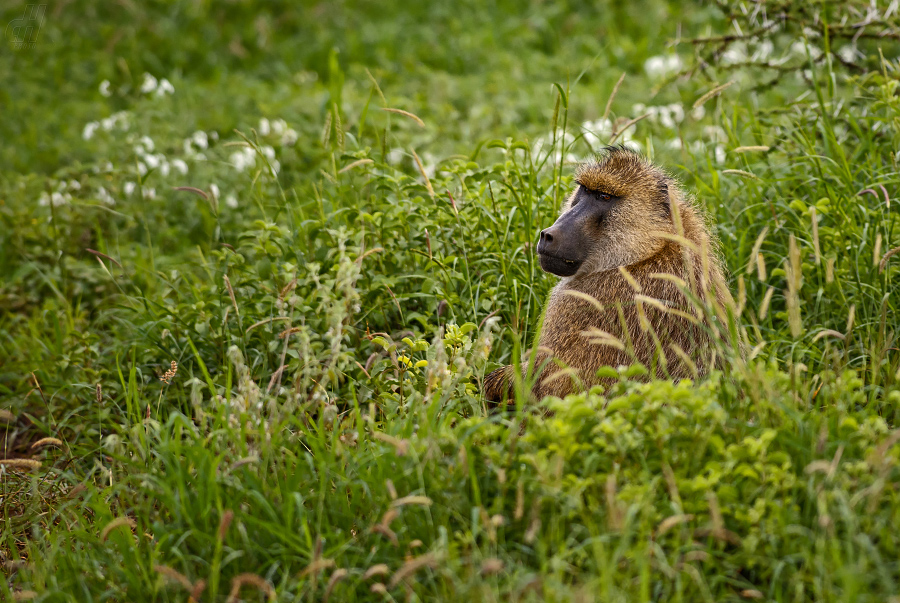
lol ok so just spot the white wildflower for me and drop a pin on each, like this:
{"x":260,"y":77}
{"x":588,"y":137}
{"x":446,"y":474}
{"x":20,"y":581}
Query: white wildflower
{"x":214,"y":189}
{"x":105,"y":197}
{"x":698,"y":113}
{"x":243,"y":159}
{"x":149,"y":84}
{"x":661,"y":66}
{"x":674,"y":144}
{"x":74,"y":185}
{"x":597,"y":133}
{"x":665,"y":117}
{"x":764,"y":50}
{"x":89,"y":130}
{"x":57,"y":199}
{"x":149,"y":193}
{"x":395,"y":156}
{"x":152,"y":161}
{"x":736,"y":53}
{"x":180,"y":165}
{"x":289,"y":138}
{"x":128,"y":188}
{"x":165,"y":87}
{"x":163,"y":165}
{"x":264,"y":127}
{"x":720,"y":153}
{"x":104,"y":88}
{"x":231,"y":201}
{"x":146,"y":142}
{"x":142,"y":168}
{"x":200,"y":139}
{"x":714,"y":133}
{"x":848,"y":53}
{"x":279,"y":126}
{"x":799,"y":48}
{"x":268,"y":152}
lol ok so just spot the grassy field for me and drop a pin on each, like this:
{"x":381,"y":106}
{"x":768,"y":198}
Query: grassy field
{"x":257,"y":257}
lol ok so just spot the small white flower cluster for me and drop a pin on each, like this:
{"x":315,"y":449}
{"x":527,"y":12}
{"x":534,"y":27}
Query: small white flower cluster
{"x":798,"y":48}
{"x":557,"y":156}
{"x":198,"y":142}
{"x":598,"y":133}
{"x":146,"y":192}
{"x":740,"y":52}
{"x":118,"y":120}
{"x":395,"y":156}
{"x":278,"y":127}
{"x":850,"y":53}
{"x":669,"y":116}
{"x":247,"y":395}
{"x":151,"y":85}
{"x":61,"y":196}
{"x":663,"y":66}
{"x":105,"y":197}
{"x":148,"y":160}
{"x":246,"y":158}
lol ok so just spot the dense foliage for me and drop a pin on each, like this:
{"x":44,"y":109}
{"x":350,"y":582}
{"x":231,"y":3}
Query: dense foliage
{"x":258,"y":256}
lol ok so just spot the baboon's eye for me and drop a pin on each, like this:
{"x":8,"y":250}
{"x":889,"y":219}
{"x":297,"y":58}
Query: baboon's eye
{"x":604,"y":196}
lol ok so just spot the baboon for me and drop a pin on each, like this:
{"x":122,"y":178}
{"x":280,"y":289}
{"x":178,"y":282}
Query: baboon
{"x":626,"y":240}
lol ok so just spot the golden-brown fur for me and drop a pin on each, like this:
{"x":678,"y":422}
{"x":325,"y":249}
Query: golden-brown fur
{"x":629,"y":277}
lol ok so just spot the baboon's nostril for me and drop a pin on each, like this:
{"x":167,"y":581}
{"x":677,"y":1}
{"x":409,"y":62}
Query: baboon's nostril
{"x":546,"y":236}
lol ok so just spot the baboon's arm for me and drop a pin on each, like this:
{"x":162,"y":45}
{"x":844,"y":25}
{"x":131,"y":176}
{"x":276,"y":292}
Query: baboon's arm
{"x":498,"y":386}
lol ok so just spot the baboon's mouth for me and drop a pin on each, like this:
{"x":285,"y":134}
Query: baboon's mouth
{"x":559,"y":266}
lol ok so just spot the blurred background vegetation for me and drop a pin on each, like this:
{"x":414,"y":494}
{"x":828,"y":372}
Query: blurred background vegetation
{"x":324,"y":215}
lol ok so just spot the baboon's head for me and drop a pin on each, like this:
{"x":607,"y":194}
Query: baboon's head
{"x":613,"y":218}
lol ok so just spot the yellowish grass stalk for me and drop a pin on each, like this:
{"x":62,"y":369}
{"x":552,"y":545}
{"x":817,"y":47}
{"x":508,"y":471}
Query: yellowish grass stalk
{"x":379,"y":569}
{"x":612,"y":96}
{"x":792,"y":269}
{"x":118,"y":522}
{"x":714,"y":92}
{"x":21,"y":464}
{"x":742,"y":174}
{"x":815,"y":234}
{"x":356,"y":163}
{"x":412,"y":116}
{"x":400,"y":446}
{"x":764,"y":306}
{"x":883,"y":263}
{"x":412,"y":566}
{"x":424,"y":175}
{"x":412,"y":500}
{"x":253,"y":580}
{"x":670,"y":522}
{"x":46,"y":442}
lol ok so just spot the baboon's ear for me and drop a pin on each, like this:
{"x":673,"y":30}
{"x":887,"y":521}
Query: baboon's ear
{"x":664,"y":198}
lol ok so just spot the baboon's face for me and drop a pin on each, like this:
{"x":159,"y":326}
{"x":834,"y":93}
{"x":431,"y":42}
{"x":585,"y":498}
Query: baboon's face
{"x":564,"y":247}
{"x":613,"y":218}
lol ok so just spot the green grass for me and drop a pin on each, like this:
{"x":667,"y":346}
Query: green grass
{"x":338,"y":278}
